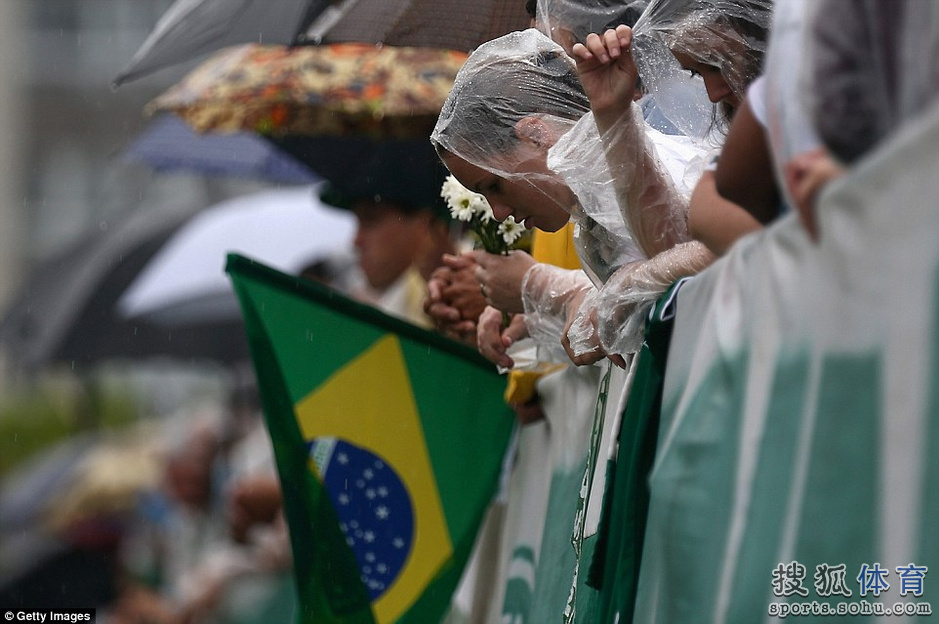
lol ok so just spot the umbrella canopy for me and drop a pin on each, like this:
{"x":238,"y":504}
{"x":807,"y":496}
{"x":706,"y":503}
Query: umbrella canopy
{"x":334,"y":90}
{"x":169,"y":145}
{"x":186,"y":279}
{"x":77,"y":307}
{"x":402,"y":171}
{"x":451,"y":24}
{"x":74,"y":290}
{"x":191,"y":28}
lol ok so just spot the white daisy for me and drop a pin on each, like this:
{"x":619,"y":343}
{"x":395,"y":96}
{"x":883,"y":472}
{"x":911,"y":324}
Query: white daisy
{"x":510,"y":230}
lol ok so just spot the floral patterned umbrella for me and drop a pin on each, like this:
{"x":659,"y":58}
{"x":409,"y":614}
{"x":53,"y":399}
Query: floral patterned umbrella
{"x":339,"y":89}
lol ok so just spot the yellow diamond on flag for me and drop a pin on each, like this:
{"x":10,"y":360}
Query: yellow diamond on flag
{"x":375,"y":442}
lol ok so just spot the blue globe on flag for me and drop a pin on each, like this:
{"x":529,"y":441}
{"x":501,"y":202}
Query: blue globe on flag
{"x":374,"y":507}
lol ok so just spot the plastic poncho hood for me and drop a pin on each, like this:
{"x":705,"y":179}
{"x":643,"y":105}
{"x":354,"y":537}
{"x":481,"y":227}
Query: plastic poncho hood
{"x":520,"y":75}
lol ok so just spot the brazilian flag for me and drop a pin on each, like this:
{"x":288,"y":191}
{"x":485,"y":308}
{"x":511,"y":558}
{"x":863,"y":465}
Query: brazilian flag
{"x":388,"y":439}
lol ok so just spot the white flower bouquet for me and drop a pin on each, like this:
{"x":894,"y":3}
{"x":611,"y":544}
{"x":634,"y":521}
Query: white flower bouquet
{"x":473,"y":209}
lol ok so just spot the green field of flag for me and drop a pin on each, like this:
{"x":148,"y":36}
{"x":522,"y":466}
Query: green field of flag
{"x":389,"y":441}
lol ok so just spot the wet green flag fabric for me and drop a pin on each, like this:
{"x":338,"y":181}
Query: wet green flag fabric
{"x":798,"y":451}
{"x":389,"y":442}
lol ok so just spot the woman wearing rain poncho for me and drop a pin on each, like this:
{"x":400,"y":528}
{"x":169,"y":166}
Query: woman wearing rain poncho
{"x":509,"y":130}
{"x":516,"y":129}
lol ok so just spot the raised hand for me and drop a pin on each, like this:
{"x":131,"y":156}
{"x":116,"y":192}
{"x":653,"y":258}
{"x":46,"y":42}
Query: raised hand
{"x":607,"y":70}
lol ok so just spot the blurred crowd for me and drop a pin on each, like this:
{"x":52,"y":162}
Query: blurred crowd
{"x":170,"y":519}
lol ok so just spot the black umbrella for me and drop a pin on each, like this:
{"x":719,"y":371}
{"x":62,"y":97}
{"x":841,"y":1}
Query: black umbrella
{"x":66,"y":311}
{"x":402,"y":171}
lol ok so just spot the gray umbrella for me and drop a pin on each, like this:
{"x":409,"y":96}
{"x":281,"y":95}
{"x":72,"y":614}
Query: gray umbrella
{"x":191,"y":28}
{"x":448,"y":24}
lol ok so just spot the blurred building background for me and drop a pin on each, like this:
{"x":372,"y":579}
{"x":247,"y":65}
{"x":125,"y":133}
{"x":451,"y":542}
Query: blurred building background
{"x":62,"y":177}
{"x":64,"y":126}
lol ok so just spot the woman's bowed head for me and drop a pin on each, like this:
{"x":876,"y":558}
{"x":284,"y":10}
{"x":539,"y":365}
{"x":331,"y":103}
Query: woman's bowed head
{"x":514,"y":98}
{"x":519,"y":197}
{"x":473,"y":209}
{"x":722,"y":42}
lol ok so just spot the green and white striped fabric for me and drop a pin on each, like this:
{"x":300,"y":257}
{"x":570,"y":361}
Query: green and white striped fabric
{"x":800,"y":421}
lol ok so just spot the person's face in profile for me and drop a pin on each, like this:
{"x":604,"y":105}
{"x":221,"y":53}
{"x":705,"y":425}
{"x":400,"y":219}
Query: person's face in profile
{"x":718,"y":90}
{"x":535,"y":197}
{"x":387,"y":240}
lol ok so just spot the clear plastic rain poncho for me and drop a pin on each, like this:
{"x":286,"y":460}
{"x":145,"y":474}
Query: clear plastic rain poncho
{"x":570,"y":21}
{"x":730,"y":35}
{"x":874,"y":65}
{"x":525,"y":75}
{"x":521,"y":76}
{"x":661,"y":172}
